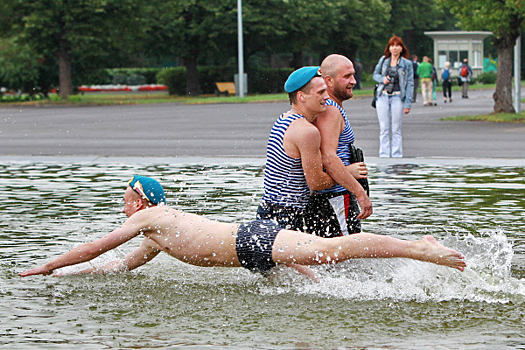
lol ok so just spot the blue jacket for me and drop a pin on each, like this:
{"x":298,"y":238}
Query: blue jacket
{"x":406,"y":78}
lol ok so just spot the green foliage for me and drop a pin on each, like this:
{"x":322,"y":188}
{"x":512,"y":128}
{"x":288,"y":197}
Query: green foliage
{"x":81,"y":34}
{"x":267,"y":80}
{"x":502,"y":17}
{"x":22,"y":69}
{"x":487,"y":78}
{"x":174,"y":79}
{"x":260,"y":80}
{"x":132,"y":76}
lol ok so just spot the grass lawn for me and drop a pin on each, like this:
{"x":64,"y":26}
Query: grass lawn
{"x":496,"y":117}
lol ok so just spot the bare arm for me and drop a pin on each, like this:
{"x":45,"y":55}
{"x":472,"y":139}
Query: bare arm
{"x":330,"y":125}
{"x":138,"y":257}
{"x":305,"y":270}
{"x":303,"y":140}
{"x":90,"y":250}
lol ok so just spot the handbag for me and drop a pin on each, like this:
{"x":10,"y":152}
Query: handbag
{"x":375,"y":89}
{"x":356,"y":155}
{"x":374,"y":97}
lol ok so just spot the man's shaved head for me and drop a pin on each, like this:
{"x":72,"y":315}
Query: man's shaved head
{"x":332,"y":63}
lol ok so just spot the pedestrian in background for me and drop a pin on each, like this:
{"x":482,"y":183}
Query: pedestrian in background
{"x":446,"y":77}
{"x":415,"y":64}
{"x":358,"y":73}
{"x":434,"y":83}
{"x":465,"y":74}
{"x":425,"y":75}
{"x":395,"y":75}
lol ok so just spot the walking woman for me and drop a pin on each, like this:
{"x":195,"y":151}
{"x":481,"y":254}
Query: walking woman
{"x":395,"y":75}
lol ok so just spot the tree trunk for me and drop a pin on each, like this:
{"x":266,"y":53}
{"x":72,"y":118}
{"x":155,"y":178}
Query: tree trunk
{"x":64,"y":72}
{"x":192,"y":76}
{"x":503,"y":94}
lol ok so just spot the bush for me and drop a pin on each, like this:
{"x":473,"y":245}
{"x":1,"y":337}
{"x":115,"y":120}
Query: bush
{"x":97,"y":77}
{"x":133,"y":76}
{"x":136,"y":79}
{"x":260,"y":80}
{"x":174,"y":79}
{"x":487,"y":78}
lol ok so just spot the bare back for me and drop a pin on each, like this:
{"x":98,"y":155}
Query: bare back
{"x":188,"y":237}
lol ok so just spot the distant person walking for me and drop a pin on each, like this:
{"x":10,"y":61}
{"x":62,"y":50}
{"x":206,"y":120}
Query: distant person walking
{"x":395,"y":75}
{"x":465,"y":74}
{"x":434,"y":82}
{"x":415,"y":64}
{"x":358,"y":73}
{"x":425,"y":75}
{"x":446,"y":77}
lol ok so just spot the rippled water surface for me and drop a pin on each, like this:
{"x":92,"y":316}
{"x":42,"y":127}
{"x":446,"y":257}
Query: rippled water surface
{"x":48,"y":208}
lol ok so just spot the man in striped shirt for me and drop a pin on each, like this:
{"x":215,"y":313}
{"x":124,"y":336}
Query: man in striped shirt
{"x":294,"y":163}
{"x":334,"y":212}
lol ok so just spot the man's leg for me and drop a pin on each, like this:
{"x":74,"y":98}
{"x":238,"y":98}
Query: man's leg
{"x":426,"y":92}
{"x":414,"y":95}
{"x":305,"y":249}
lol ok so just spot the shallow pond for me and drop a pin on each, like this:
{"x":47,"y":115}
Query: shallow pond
{"x":50,"y":207}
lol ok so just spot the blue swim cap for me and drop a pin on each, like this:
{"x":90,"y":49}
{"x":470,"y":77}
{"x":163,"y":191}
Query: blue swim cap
{"x":148,"y":188}
{"x":301,"y":77}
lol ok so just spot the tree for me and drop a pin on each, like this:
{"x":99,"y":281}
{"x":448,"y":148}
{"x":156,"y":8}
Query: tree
{"x":77,"y":33}
{"x":192,"y":30}
{"x":505,"y":19}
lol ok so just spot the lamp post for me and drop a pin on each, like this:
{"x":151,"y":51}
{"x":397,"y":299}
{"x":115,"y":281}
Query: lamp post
{"x":240,"y":48}
{"x":517,"y":75}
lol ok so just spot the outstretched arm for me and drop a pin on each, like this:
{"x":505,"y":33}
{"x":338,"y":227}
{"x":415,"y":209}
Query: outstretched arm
{"x":305,"y":270}
{"x":146,"y":252}
{"x":90,"y":250}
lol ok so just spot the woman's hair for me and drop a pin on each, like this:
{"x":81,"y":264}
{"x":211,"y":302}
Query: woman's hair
{"x":395,"y":40}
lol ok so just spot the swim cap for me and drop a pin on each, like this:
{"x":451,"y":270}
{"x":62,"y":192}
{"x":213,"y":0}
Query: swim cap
{"x":301,"y":77}
{"x":148,"y":188}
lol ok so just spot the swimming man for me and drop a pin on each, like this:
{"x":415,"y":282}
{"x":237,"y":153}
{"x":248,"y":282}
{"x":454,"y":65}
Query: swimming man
{"x":259,"y":245}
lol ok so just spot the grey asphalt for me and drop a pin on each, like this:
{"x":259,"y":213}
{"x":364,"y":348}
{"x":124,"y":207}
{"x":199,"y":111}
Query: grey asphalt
{"x":241,"y":131}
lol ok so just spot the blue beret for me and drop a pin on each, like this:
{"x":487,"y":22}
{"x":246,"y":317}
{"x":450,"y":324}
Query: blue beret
{"x":149,"y":188}
{"x":300,"y":78}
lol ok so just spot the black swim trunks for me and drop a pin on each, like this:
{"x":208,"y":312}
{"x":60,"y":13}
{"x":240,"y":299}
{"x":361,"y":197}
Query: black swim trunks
{"x":332,"y":214}
{"x":254,"y":245}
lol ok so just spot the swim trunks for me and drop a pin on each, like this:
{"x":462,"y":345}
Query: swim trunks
{"x":254,"y":245}
{"x":332,"y":215}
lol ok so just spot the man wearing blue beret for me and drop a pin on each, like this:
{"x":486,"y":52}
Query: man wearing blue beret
{"x":293,"y":160}
{"x":258,"y":245}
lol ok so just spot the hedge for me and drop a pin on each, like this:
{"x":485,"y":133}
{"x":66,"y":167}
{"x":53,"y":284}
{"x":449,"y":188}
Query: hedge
{"x":260,"y":80}
{"x":266,"y":80}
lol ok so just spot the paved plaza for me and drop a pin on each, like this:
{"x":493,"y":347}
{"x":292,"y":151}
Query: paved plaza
{"x":241,"y":131}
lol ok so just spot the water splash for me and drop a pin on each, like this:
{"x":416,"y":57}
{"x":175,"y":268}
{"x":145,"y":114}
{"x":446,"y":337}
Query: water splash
{"x":488,"y":276}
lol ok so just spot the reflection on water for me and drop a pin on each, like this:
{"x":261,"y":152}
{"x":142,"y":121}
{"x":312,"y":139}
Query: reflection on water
{"x":48,"y":208}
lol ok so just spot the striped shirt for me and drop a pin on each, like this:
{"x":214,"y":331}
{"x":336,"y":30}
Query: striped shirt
{"x":284,"y":180}
{"x":343,"y":147}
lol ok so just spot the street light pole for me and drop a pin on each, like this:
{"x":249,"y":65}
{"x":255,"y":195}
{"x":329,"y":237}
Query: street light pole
{"x":517,"y":75}
{"x":240,"y":48}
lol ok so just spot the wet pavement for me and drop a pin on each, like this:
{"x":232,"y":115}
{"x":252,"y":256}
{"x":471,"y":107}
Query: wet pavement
{"x":241,"y":131}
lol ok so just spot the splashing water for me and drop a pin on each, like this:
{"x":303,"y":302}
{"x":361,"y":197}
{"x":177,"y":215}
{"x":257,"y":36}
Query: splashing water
{"x":368,"y":303}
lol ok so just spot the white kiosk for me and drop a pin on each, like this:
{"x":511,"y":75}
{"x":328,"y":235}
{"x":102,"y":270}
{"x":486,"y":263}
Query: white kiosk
{"x":454,"y":46}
